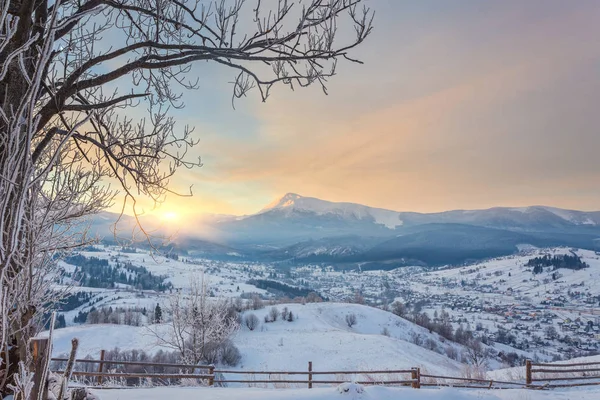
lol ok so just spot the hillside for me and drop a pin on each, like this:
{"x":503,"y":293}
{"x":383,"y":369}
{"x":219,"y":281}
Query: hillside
{"x":319,"y":334}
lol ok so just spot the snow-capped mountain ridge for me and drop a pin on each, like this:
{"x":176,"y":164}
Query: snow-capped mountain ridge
{"x":294,"y":202}
{"x":496,"y":216}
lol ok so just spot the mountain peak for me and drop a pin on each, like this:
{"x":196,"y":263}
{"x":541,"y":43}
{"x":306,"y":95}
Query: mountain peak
{"x":288,"y":200}
{"x":292,"y":202}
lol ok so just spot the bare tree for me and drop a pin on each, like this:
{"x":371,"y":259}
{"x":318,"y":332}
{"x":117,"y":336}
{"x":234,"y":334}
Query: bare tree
{"x":351,"y":320}
{"x":274,"y":314}
{"x":257,"y":302}
{"x":68,"y":71}
{"x":398,"y":308}
{"x":475,"y":353}
{"x":195,"y":322}
{"x":551,"y":332}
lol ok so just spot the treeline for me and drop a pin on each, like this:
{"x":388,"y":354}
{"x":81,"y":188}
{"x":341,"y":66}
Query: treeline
{"x":558,"y":261}
{"x":135,"y":316}
{"x":75,"y":300}
{"x":58,"y":324}
{"x":68,"y":303}
{"x":98,"y":273}
{"x":282,"y":289}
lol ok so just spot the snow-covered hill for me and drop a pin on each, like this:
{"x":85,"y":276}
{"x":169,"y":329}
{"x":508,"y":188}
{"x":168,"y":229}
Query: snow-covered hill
{"x":509,"y":276}
{"x":319,"y":333}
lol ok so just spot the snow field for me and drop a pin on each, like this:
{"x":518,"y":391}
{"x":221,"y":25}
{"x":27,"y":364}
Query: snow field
{"x":331,"y":393}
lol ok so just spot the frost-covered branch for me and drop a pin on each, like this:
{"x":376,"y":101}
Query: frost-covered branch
{"x":69,"y":72}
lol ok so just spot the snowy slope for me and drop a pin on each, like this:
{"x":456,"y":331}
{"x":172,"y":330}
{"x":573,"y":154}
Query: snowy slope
{"x":321,"y":335}
{"x":224,"y":281}
{"x":508,"y":274}
{"x":318,"y":334}
{"x":93,"y":338}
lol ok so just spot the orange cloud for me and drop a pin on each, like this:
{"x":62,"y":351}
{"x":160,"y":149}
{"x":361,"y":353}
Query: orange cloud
{"x":434,"y":124}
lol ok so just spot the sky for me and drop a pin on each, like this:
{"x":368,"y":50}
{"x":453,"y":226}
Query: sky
{"x":459,"y":105}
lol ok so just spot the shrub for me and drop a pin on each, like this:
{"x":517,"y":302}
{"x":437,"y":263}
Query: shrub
{"x":251,"y":321}
{"x":211,"y":352}
{"x":430,"y":344}
{"x":351,"y":320}
{"x":230,"y":355}
{"x":452,"y":353}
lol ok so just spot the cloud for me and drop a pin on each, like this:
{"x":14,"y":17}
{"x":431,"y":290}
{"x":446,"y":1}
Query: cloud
{"x":460,"y":110}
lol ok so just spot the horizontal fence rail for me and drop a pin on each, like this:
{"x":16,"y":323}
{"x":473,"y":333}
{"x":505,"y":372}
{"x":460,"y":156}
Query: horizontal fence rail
{"x":140,"y":363}
{"x":538,"y":375}
{"x":137,"y":375}
{"x":489,"y":383}
{"x":553,"y":374}
{"x":406,"y":377}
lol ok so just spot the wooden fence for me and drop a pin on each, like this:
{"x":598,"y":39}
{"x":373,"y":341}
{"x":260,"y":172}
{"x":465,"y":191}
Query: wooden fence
{"x":212,"y":376}
{"x":538,"y":376}
{"x":562,"y":375}
{"x":114,"y":369}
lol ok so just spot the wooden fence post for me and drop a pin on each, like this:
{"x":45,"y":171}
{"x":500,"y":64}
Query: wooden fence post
{"x":528,"y":377}
{"x":211,"y":379}
{"x":416,"y":378}
{"x":100,"y":367}
{"x":310,"y":375}
{"x":39,"y":351}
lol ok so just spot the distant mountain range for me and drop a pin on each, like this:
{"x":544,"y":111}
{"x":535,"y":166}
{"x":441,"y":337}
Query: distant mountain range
{"x":300,"y":229}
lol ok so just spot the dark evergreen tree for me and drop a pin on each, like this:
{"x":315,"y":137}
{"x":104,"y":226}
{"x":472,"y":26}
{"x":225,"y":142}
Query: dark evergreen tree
{"x":157,"y":314}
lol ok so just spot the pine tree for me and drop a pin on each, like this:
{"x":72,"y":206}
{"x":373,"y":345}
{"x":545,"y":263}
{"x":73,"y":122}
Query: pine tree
{"x":157,"y":314}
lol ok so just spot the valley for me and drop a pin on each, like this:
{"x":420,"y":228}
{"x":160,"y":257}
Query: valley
{"x":416,"y":316}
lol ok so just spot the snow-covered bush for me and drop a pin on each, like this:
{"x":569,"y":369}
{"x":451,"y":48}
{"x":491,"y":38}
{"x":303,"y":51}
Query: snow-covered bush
{"x":251,"y":321}
{"x":230,"y":355}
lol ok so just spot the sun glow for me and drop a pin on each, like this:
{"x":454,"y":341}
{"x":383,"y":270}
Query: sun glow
{"x":170,"y":216}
